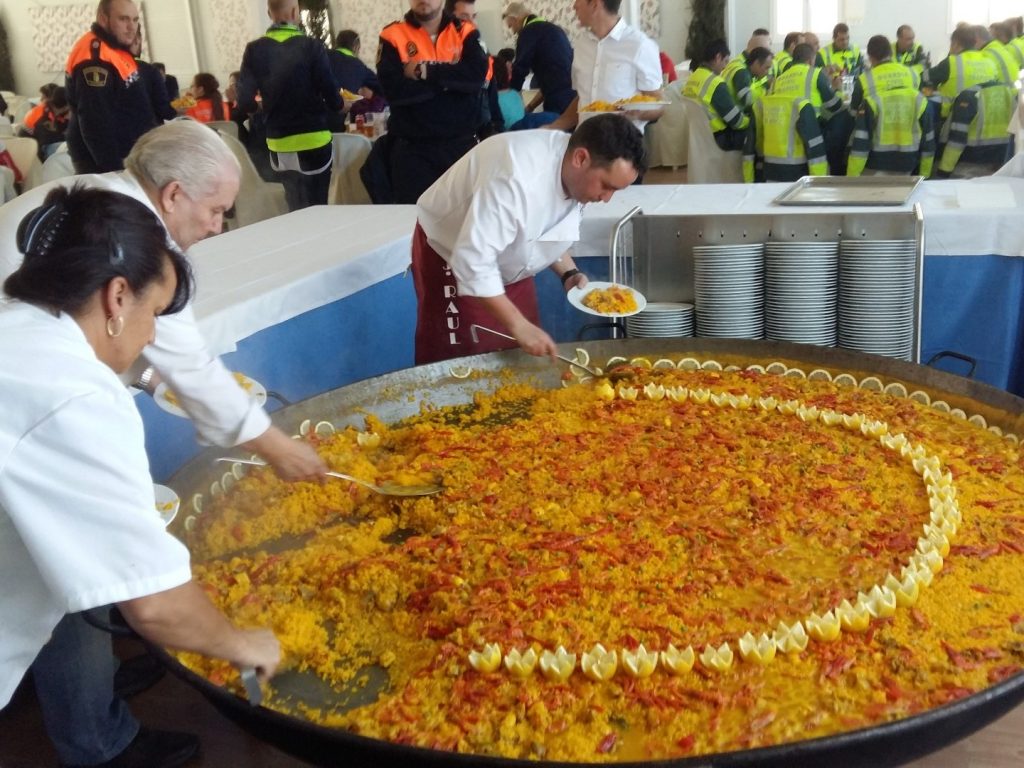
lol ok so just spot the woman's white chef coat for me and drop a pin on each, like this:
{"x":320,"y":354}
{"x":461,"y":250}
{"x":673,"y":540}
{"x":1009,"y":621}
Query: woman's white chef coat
{"x":223,"y":413}
{"x":78,"y":521}
{"x":500,"y":214}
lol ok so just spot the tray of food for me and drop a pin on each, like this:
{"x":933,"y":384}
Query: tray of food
{"x":850,"y":190}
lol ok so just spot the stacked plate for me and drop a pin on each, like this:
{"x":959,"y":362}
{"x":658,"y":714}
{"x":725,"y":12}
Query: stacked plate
{"x":728,"y":285}
{"x":801,"y":287}
{"x":876,"y":296}
{"x":661,"y":319}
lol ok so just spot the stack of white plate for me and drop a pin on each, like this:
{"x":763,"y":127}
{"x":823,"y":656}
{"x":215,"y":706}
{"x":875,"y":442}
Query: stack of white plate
{"x":876,"y":296}
{"x":728,"y":283}
{"x":661,"y":319}
{"x":801,"y":287}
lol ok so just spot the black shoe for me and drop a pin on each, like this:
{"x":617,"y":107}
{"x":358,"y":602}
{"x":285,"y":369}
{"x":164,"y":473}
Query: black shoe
{"x":136,"y":675}
{"x":156,"y":749}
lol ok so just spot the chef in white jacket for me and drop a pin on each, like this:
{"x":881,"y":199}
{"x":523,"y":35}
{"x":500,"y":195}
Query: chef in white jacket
{"x":186,"y":175}
{"x":78,"y":524}
{"x":507,"y":210}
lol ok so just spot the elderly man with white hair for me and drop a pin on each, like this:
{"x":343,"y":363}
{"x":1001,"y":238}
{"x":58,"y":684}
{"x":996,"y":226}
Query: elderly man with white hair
{"x":185,"y":174}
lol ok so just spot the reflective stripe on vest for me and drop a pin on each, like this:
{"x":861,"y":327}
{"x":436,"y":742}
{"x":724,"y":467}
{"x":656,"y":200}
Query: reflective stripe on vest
{"x":729,"y":73}
{"x":995,"y":109}
{"x":91,"y":48}
{"x":779,"y":116}
{"x":414,"y":43}
{"x":282,"y":32}
{"x":1006,"y":63}
{"x":780,"y":62}
{"x":897,"y":120}
{"x":701,"y":86}
{"x":843,"y":59}
{"x":800,"y":81}
{"x":297,"y":142}
{"x":966,"y":69}
{"x":887,"y":76}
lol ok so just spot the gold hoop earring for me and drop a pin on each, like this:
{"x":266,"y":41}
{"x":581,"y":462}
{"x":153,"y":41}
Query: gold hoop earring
{"x":113,"y":323}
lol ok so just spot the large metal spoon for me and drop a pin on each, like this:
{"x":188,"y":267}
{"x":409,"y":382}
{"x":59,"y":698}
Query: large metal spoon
{"x":592,"y":371}
{"x":386,"y":488}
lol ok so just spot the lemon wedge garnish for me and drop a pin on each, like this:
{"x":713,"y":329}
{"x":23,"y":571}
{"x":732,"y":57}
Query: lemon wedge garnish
{"x":678,"y":662}
{"x":639,"y":663}
{"x":368,"y":439}
{"x":628,"y":393}
{"x":824,"y":628}
{"x":460,"y":371}
{"x":854,"y":618}
{"x":604,"y":390}
{"x":641,"y":362}
{"x":486,"y":660}
{"x":759,"y":650}
{"x":599,"y":663}
{"x":654,"y":391}
{"x":880,"y":601}
{"x":791,"y":638}
{"x":719,"y":659}
{"x":521,"y":664}
{"x":677,"y":394}
{"x":700,"y":396}
{"x":557,"y":666}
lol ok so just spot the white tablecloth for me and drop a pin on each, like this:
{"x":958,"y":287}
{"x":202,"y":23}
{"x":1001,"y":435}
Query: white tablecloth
{"x":266,"y":273}
{"x":954,"y":225}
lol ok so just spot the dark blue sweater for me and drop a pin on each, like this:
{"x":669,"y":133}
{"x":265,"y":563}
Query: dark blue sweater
{"x":544,"y":49}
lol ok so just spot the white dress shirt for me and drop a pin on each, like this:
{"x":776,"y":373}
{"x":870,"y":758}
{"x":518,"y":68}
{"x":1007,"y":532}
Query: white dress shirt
{"x":615,"y":67}
{"x":500,"y":214}
{"x":222,"y":412}
{"x":78,"y":522}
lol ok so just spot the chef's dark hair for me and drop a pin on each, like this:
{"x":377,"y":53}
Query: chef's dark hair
{"x":609,"y":138}
{"x":80,"y":239}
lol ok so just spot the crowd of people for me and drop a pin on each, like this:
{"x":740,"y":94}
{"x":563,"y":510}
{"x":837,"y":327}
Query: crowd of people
{"x":832,"y":110}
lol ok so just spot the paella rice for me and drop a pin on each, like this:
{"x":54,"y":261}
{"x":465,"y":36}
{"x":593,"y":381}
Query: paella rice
{"x":680,"y":519}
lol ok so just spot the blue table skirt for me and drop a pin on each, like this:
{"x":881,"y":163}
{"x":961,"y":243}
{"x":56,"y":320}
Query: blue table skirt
{"x":972,"y":305}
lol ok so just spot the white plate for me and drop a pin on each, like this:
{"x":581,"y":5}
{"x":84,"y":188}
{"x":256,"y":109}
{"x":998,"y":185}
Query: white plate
{"x":256,"y":391}
{"x":167,"y":503}
{"x":643,"y":106}
{"x":576,"y":296}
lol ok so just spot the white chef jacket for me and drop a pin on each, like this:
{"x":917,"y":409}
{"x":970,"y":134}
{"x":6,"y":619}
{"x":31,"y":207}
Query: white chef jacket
{"x":615,"y":67}
{"x":78,"y":521}
{"x":500,"y":214}
{"x":223,"y":413}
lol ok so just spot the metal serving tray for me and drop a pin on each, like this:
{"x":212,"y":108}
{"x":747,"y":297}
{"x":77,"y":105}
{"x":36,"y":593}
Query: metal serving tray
{"x":850,"y":190}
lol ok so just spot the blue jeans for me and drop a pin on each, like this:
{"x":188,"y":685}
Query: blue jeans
{"x":74,"y":679}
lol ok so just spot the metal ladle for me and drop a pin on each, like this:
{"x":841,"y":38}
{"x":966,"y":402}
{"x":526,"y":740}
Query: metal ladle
{"x":386,"y":488}
{"x":612,"y":375}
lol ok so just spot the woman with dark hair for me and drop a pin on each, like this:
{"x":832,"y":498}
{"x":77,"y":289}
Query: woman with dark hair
{"x":78,"y":523}
{"x":209,"y":106}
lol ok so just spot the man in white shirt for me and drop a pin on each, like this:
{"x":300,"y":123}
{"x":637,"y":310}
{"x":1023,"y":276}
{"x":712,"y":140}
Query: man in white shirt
{"x":611,"y":61}
{"x":505,"y":211}
{"x":186,"y":175}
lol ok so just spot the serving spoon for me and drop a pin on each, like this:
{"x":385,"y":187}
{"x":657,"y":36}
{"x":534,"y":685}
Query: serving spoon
{"x":386,"y":488}
{"x":611,"y":375}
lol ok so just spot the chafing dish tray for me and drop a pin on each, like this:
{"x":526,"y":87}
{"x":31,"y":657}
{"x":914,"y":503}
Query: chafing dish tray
{"x":849,"y":190}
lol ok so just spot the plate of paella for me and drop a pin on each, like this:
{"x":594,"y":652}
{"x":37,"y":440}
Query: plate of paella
{"x":168,"y":401}
{"x":607,"y":299}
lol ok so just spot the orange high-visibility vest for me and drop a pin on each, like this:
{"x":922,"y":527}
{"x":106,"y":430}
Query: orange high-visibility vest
{"x":414,"y":43}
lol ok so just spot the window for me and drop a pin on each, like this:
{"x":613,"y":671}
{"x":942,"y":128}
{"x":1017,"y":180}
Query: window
{"x":982,"y":11}
{"x":804,"y":15}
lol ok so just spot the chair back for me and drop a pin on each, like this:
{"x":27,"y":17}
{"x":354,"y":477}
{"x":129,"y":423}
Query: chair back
{"x":229,"y":127}
{"x":707,"y":163}
{"x":668,"y":137}
{"x":350,"y":152}
{"x":57,"y":166}
{"x":20,"y":112}
{"x":7,"y":190}
{"x":24,"y":152}
{"x":257,"y":199}
{"x":6,"y":129}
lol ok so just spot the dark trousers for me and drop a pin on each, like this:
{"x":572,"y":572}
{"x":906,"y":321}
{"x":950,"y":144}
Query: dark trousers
{"x":417,"y":164}
{"x":302,"y":190}
{"x":836,"y":132}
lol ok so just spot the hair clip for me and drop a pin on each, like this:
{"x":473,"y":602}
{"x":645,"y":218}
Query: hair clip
{"x":37,"y":232}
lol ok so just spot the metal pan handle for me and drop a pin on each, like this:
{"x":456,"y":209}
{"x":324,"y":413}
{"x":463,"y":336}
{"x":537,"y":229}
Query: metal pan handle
{"x":956,"y":355}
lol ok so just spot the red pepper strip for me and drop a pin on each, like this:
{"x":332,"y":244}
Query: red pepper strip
{"x":957,"y":658}
{"x":686,"y":743}
{"x":607,"y":743}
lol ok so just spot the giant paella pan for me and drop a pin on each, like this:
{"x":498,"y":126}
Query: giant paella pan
{"x":729,"y":553}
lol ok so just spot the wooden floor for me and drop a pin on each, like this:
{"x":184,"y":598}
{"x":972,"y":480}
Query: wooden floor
{"x":173,"y":705}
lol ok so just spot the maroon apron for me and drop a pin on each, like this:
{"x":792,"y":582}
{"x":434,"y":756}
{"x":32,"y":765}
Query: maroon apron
{"x":443,"y":317}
